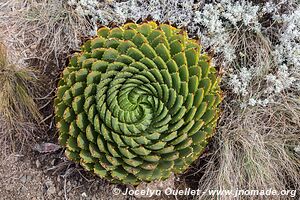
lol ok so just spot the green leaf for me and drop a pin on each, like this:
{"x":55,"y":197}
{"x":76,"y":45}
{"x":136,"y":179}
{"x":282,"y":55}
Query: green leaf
{"x":113,"y":150}
{"x":97,"y":42}
{"x":91,"y":134}
{"x":71,"y":155}
{"x":141,"y":151}
{"x":134,"y":162}
{"x":131,"y":170}
{"x":63,"y":137}
{"x":82,"y":141}
{"x":192,"y":56}
{"x":125,"y":45}
{"x":149,"y":166}
{"x":126,"y":152}
{"x":103,"y":32}
{"x":139,"y":39}
{"x":163,"y":52}
{"x":176,"y":46}
{"x":60,"y":109}
{"x":205,"y":83}
{"x":72,"y":144}
{"x":167,"y":29}
{"x":102,"y":144}
{"x":100,"y":66}
{"x":129,"y":34}
{"x":95,"y":152}
{"x":208,"y":116}
{"x":110,"y":55}
{"x":170,"y":156}
{"x":145,"y":29}
{"x":135,"y":53}
{"x":116,"y":33}
{"x":180,"y":59}
{"x":86,"y":156}
{"x":69,"y":115}
{"x":61,"y":91}
{"x":145,"y":174}
{"x":148,"y":51}
{"x":99,"y":170}
{"x":78,"y":88}
{"x":73,"y":129}
{"x":82,"y":121}
{"x":157,"y":146}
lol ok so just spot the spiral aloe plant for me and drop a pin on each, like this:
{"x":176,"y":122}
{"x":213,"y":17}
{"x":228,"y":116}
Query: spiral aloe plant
{"x":138,"y":103}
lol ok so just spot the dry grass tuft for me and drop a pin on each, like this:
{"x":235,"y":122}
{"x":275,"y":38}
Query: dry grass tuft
{"x":18,"y":110}
{"x":253,"y":49}
{"x":254,"y":147}
{"x":44,"y":31}
{"x":39,"y":33}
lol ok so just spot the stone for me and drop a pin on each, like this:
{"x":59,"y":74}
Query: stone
{"x":38,"y":164}
{"x":23,"y":179}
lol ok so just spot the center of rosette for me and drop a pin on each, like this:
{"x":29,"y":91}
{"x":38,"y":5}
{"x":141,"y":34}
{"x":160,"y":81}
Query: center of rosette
{"x":126,"y":103}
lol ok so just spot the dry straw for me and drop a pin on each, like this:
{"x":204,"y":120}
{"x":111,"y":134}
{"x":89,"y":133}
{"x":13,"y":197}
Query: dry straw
{"x":17,"y":107}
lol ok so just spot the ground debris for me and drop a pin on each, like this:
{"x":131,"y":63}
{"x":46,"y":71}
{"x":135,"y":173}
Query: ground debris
{"x":46,"y":147}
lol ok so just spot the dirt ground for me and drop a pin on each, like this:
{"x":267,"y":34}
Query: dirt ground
{"x":19,"y":179}
{"x":50,"y":176}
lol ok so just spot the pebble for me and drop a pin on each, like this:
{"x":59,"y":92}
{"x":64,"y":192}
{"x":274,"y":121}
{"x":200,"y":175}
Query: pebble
{"x":23,"y":189}
{"x":84,"y":195}
{"x":53,"y":162}
{"x":29,"y":178}
{"x":50,"y":187}
{"x":38,"y":164}
{"x":23,"y":179}
{"x":51,"y":190}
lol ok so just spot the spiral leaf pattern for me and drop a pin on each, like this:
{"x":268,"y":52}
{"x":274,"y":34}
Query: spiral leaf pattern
{"x":137,"y":103}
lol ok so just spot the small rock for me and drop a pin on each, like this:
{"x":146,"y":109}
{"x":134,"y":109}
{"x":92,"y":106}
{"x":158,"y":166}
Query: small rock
{"x":48,"y":183}
{"x":60,"y":193}
{"x":84,"y":195}
{"x":297,"y":149}
{"x":51,"y":190}
{"x":46,"y":147}
{"x":23,"y":179}
{"x":53,"y":162}
{"x":50,"y":187}
{"x":29,"y":178}
{"x":23,"y":189}
{"x":38,"y":164}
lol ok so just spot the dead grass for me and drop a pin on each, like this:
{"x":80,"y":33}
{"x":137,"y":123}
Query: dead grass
{"x":38,"y":33}
{"x":254,"y":147}
{"x":42,"y":30}
{"x":18,"y":111}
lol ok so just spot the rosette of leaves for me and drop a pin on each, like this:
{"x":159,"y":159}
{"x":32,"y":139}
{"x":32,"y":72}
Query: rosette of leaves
{"x":138,"y":103}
